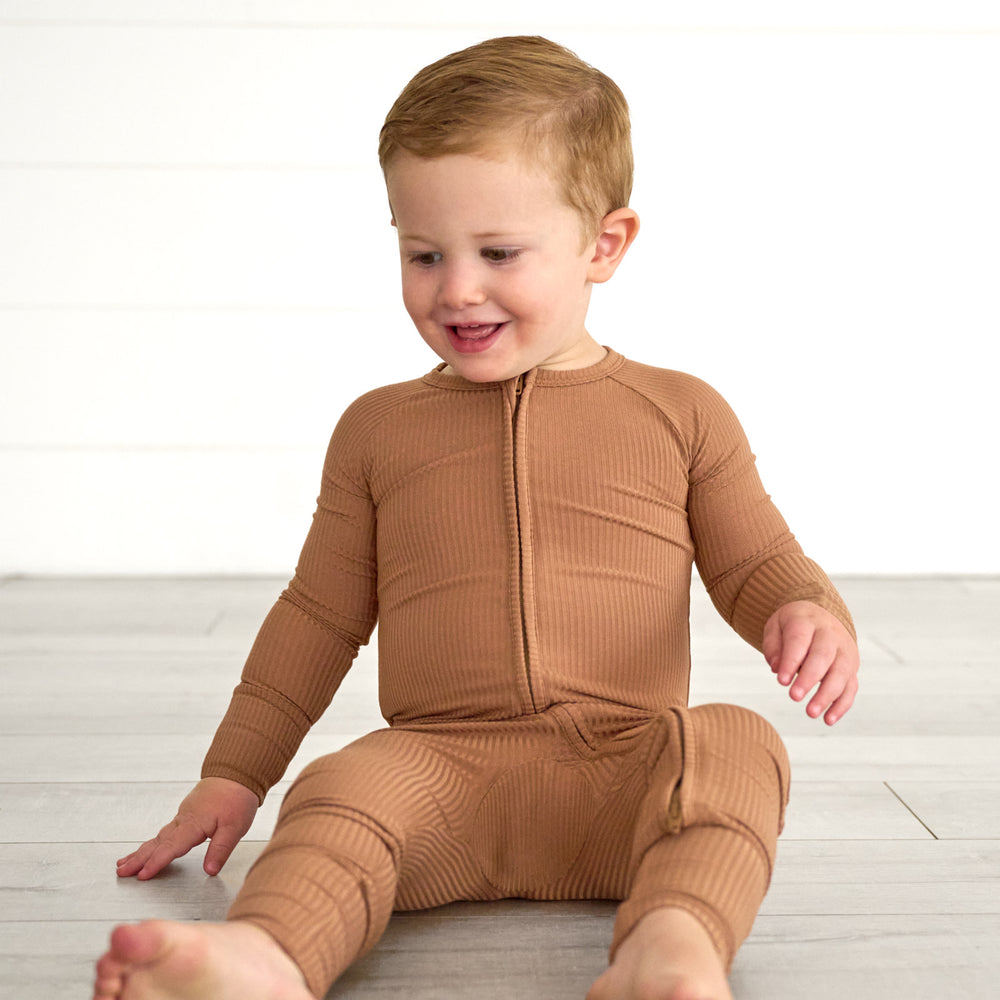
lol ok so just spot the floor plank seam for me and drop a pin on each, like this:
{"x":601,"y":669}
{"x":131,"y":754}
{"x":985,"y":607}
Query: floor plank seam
{"x":887,"y":649}
{"x":214,"y":623}
{"x":912,"y":813}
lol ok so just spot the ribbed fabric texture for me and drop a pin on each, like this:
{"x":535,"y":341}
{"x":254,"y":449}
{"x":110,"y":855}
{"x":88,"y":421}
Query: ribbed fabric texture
{"x":526,"y":548}
{"x":323,"y":890}
{"x":729,"y":781}
{"x":517,"y":551}
{"x":681,"y":809}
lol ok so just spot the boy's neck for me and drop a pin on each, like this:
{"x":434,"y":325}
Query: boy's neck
{"x":594,"y":356}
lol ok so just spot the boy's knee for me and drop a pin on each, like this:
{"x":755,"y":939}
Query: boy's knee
{"x":335,"y":803}
{"x":735,"y":773}
{"x":733,"y":737}
{"x":721,"y":765}
{"x":392,"y":783}
{"x":383,"y":775}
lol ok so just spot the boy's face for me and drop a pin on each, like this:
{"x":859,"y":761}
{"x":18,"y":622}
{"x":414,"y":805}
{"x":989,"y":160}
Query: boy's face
{"x":494,"y":277}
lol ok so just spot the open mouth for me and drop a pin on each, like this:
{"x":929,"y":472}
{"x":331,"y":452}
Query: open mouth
{"x":472,"y":338}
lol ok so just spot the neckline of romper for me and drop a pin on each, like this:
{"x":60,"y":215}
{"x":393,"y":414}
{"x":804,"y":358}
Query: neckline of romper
{"x":611,"y":362}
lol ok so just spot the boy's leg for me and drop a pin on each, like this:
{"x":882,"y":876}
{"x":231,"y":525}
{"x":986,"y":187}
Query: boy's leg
{"x":325,"y":886}
{"x":706,"y":834}
{"x":349,"y":835}
{"x":323,"y":889}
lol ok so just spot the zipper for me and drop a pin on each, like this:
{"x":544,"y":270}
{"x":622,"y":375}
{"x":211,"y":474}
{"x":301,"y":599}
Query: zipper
{"x":518,"y":389}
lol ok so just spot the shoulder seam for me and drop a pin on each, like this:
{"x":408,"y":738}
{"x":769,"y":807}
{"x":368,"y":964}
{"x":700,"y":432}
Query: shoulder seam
{"x":374,"y":427}
{"x":614,"y":377}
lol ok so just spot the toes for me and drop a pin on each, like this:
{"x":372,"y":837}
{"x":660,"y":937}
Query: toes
{"x":109,"y":980}
{"x":136,"y":944}
{"x":131,"y":945}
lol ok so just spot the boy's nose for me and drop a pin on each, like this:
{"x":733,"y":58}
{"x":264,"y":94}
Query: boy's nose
{"x":461,"y":287}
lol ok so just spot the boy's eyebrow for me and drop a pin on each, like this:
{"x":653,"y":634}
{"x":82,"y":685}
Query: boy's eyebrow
{"x":493,"y":236}
{"x":416,"y":237}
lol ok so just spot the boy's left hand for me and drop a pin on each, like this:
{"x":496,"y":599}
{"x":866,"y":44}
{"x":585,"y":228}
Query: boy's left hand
{"x":806,"y":644}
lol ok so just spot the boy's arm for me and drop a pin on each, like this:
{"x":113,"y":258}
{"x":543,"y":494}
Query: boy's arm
{"x":301,"y":654}
{"x":756,"y":573}
{"x":252,"y":747}
{"x":311,"y":636}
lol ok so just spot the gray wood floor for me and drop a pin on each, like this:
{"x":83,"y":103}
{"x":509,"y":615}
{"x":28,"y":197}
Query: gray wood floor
{"x":887,"y":877}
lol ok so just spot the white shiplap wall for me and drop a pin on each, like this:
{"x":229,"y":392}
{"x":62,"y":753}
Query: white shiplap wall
{"x":197,"y":273}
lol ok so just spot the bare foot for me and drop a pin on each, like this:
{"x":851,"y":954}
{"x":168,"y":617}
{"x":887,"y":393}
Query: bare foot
{"x":667,"y":956}
{"x":167,"y":961}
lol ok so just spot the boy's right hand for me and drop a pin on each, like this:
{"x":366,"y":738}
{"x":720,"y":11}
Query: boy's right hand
{"x":217,"y":809}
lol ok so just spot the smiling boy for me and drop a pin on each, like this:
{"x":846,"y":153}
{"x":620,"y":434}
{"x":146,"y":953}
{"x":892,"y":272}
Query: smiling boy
{"x":495,"y":277}
{"x":522,"y":523}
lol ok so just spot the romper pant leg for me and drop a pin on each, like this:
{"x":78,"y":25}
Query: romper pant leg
{"x":325,"y":885}
{"x":413,"y":818}
{"x":706,"y":834}
{"x":410,"y":818}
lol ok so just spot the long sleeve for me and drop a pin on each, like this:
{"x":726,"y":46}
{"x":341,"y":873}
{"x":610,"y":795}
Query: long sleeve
{"x":750,"y":562}
{"x":312,"y":634}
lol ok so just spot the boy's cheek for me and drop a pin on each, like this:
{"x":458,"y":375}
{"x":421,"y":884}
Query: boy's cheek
{"x":415,"y":297}
{"x":412,"y":302}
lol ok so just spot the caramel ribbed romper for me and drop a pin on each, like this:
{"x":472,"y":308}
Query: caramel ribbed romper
{"x":526,"y":548}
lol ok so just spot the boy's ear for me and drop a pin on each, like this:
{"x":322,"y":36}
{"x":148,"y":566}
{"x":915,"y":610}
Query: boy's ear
{"x":618,"y":229}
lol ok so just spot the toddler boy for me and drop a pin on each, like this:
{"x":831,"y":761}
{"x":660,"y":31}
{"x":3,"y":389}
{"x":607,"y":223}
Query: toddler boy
{"x":522,"y":522}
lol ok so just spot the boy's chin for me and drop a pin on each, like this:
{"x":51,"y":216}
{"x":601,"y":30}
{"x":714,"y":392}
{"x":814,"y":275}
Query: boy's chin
{"x":476,"y":373}
{"x":489,"y":364}
{"x":480,"y":367}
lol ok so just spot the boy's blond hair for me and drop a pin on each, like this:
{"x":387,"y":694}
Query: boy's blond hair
{"x":529,"y":94}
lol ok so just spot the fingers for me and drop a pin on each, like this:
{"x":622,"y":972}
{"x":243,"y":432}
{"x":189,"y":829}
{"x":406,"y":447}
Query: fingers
{"x":838,"y":684}
{"x":173,"y":841}
{"x":221,"y":846}
{"x":813,"y":668}
{"x":786,"y":647}
{"x":806,"y":653}
{"x":836,"y":693}
{"x":215,"y":809}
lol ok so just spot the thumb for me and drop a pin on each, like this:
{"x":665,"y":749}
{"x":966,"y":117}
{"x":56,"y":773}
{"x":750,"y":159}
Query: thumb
{"x":771,"y":643}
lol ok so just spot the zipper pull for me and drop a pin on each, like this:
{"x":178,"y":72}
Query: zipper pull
{"x":519,"y":385}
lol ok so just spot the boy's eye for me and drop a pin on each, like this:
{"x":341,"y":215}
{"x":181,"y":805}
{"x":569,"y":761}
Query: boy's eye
{"x":426,"y":258}
{"x":499,"y":255}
